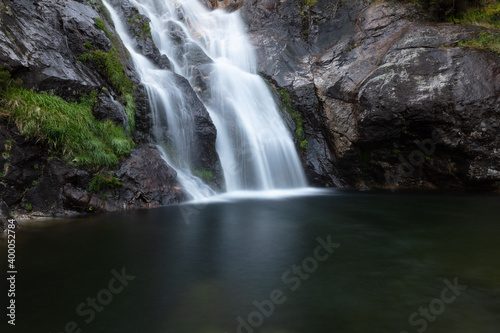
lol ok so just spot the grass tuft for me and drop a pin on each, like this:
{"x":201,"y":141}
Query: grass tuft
{"x":103,"y":181}
{"x":70,"y":129}
{"x":485,"y":41}
{"x":486,"y":15}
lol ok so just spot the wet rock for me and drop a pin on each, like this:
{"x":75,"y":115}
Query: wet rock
{"x":203,"y":155}
{"x":385,"y":80}
{"x":44,"y":198}
{"x":39,"y":42}
{"x":227,"y":5}
{"x":5,"y":216}
{"x":21,"y":163}
{"x":147,"y":181}
{"x":139,"y":30}
{"x":108,"y":109}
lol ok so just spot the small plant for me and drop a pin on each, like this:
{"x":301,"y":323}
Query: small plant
{"x":109,"y":65}
{"x":36,"y":167}
{"x":103,"y":181}
{"x":28,"y":207}
{"x":104,"y":197}
{"x":396,"y":151}
{"x":427,"y":158}
{"x":2,"y":174}
{"x":88,"y":46}
{"x":33,"y":183}
{"x":205,"y":174}
{"x":310,"y":3}
{"x":297,"y":118}
{"x":100,"y":24}
{"x":487,"y":14}
{"x":485,"y":41}
{"x":327,"y":185}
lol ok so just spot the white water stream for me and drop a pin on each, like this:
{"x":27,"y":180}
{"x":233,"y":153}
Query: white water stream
{"x":255,"y":148}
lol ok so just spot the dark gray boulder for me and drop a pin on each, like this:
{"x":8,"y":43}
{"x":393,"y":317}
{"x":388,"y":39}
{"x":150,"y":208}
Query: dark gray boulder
{"x":389,"y":99}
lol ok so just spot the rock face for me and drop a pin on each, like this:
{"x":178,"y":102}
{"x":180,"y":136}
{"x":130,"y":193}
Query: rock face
{"x":40,"y":42}
{"x":143,"y":180}
{"x":140,"y":31}
{"x":41,"y":187}
{"x":389,"y":100}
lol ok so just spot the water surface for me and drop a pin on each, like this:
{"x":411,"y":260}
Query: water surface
{"x":199,"y":267}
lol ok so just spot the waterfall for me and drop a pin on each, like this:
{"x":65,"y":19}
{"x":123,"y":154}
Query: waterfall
{"x":210,"y":49}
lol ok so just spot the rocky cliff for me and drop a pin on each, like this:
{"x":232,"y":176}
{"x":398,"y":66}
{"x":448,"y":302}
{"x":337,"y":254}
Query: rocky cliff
{"x":69,"y":49}
{"x":389,"y":98}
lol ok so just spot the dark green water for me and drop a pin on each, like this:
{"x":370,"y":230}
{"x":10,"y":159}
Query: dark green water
{"x":394,"y":253}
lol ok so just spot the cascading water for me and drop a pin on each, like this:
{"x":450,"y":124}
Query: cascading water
{"x":211,"y":50}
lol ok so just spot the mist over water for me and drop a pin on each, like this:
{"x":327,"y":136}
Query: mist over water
{"x":256,"y":149}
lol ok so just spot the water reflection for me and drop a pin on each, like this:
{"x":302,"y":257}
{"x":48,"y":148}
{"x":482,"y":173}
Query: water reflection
{"x":200,"y":276}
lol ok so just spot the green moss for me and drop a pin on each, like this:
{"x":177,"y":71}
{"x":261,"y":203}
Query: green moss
{"x":28,"y":207}
{"x":144,"y":29}
{"x":205,"y":174}
{"x":100,"y":24}
{"x":297,"y":118}
{"x":103,"y":181}
{"x":310,"y":3}
{"x":110,"y":65}
{"x":485,"y":41}
{"x":69,"y":129}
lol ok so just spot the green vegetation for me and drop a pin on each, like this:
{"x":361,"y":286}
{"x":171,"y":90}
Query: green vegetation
{"x":28,"y":207}
{"x":112,"y":64}
{"x":297,"y":118}
{"x":310,"y":3}
{"x":483,"y":13}
{"x":205,"y":174}
{"x":69,"y":129}
{"x":109,"y":64}
{"x":144,"y":30}
{"x":103,"y":181}
{"x":485,"y":41}
{"x":396,"y":151}
{"x":100,"y":24}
